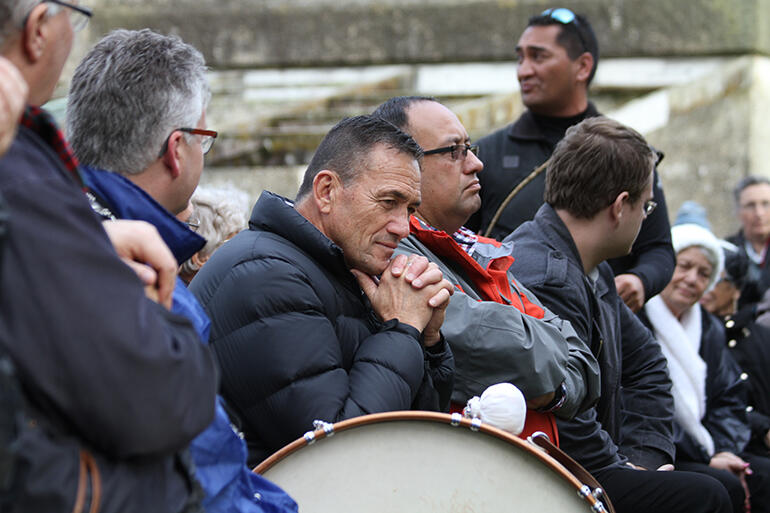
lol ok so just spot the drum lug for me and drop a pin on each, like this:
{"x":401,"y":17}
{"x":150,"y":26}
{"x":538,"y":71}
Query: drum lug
{"x":327,"y":427}
{"x":309,"y":437}
{"x":538,"y":434}
{"x":598,"y":493}
{"x":475,"y":421}
{"x":598,"y":507}
{"x":585,"y":492}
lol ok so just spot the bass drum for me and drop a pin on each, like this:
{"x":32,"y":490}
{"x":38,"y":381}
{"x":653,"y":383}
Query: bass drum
{"x":422,"y":462}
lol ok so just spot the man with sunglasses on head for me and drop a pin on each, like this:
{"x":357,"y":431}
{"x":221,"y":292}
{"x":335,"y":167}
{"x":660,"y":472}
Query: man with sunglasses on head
{"x":136,"y":117}
{"x":115,"y":386}
{"x":498,"y":331}
{"x":557,"y":56}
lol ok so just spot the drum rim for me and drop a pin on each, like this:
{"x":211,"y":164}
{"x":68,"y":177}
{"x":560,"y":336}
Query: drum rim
{"x":442,"y":418}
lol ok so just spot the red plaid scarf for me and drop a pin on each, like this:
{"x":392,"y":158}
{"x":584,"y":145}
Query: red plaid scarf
{"x":40,"y":122}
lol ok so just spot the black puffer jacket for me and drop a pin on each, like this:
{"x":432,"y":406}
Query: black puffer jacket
{"x":297,"y":340}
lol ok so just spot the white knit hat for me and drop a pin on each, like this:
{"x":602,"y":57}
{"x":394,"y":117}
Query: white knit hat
{"x":687,"y":235}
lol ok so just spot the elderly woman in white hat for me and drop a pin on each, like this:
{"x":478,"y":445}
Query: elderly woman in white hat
{"x":710,"y":426}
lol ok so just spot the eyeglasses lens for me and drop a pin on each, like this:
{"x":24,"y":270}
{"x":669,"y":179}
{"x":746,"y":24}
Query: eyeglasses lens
{"x":206,"y":143}
{"x":456,"y":149}
{"x":78,"y":20}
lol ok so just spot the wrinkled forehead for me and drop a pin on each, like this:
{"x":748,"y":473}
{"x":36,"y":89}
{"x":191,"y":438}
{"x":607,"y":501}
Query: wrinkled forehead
{"x":384,"y":165}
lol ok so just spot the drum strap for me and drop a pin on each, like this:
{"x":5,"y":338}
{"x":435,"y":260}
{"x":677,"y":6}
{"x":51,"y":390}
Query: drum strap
{"x":574,"y":467}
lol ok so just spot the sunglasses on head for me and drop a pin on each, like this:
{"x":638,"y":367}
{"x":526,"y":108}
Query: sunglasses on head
{"x":566,"y":17}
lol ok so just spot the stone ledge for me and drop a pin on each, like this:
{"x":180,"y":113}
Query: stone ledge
{"x":247,"y":34}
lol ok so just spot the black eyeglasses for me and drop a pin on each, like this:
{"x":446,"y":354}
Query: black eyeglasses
{"x":566,"y":17}
{"x":455,"y":150}
{"x":79,"y":16}
{"x":207,"y":138}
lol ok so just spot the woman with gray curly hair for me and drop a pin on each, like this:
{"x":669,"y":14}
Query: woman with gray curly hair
{"x":217,"y":215}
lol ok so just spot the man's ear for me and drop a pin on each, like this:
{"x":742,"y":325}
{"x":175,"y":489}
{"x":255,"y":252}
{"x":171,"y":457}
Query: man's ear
{"x":585,"y":64}
{"x":617,"y":207}
{"x":172,"y":157}
{"x":326,"y":188}
{"x":36,"y":33}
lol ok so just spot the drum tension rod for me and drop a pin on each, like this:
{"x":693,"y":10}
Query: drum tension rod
{"x":327,"y":427}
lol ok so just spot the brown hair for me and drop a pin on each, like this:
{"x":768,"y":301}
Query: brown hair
{"x":597,"y":160}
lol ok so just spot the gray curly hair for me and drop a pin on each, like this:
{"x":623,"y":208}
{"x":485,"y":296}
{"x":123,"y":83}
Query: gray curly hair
{"x":220,"y":212}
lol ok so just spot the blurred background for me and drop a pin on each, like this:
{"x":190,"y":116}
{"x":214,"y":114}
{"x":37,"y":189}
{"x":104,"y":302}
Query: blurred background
{"x":692,"y":76}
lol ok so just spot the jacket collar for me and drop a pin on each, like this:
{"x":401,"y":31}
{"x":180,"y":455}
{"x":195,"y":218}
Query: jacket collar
{"x":127,"y":201}
{"x":487,"y":269}
{"x":276,"y":214}
{"x":526,"y":128}
{"x":560,"y":239}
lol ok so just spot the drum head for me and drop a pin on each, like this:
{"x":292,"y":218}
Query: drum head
{"x":417,"y":462}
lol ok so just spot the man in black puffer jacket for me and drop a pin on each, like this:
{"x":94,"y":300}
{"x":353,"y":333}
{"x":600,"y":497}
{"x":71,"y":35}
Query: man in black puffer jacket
{"x":310,"y":317}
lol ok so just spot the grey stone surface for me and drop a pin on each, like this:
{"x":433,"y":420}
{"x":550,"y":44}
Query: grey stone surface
{"x":249,"y":33}
{"x":715,"y":136}
{"x":253,"y":180}
{"x":713,"y":128}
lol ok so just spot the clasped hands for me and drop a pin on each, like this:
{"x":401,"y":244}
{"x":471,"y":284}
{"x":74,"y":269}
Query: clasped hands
{"x":412,"y":290}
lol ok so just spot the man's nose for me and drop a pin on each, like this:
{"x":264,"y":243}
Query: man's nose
{"x":473,"y":164}
{"x":399,"y":225}
{"x":523,"y":69}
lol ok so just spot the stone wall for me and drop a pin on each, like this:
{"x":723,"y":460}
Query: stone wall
{"x":715,"y":128}
{"x":258,"y":33}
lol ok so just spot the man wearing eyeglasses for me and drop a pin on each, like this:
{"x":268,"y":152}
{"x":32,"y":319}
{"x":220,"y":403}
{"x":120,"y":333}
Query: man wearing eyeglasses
{"x":136,"y":117}
{"x":557,"y":56}
{"x":598,"y":191}
{"x":498,"y":330}
{"x":115,"y":385}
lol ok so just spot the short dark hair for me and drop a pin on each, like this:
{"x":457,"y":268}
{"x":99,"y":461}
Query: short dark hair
{"x":346,"y":148}
{"x":597,"y":160}
{"x":576,"y":37}
{"x":394,"y":110}
{"x":745,"y":183}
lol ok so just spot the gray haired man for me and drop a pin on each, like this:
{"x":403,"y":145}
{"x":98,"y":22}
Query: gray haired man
{"x":136,"y":117}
